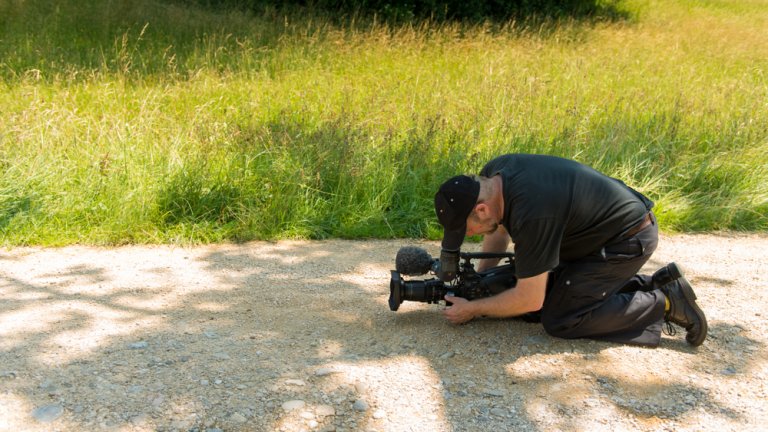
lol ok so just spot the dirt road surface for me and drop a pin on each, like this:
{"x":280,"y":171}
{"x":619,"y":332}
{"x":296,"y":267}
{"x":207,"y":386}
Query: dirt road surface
{"x":297,"y":336}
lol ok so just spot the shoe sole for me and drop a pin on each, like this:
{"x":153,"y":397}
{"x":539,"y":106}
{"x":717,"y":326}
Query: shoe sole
{"x":674,"y":271}
{"x":690,"y":297}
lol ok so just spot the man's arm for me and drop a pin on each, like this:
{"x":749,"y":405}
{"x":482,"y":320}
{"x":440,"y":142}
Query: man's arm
{"x":496,"y":242}
{"x":526,"y":296}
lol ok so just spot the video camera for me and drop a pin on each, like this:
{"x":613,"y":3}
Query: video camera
{"x":459,"y":281}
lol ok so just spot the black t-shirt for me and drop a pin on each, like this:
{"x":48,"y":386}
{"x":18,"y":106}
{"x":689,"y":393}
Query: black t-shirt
{"x":560,"y":210}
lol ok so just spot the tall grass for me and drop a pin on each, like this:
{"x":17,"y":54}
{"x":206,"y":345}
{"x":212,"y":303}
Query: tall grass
{"x":151,"y":121}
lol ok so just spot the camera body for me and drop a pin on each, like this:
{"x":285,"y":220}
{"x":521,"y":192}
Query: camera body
{"x":468,"y":283}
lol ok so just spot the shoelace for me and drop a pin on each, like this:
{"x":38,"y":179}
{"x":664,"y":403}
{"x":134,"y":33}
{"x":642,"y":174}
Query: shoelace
{"x":669,"y":329}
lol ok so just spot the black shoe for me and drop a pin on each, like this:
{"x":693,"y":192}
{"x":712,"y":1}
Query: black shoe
{"x":684,"y":311}
{"x":665,"y":275}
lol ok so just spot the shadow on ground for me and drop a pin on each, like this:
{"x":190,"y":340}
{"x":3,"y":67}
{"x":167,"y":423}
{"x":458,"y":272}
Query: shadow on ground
{"x":223,"y":337}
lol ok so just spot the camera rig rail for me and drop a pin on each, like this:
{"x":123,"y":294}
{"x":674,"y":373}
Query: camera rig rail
{"x":469,"y":283}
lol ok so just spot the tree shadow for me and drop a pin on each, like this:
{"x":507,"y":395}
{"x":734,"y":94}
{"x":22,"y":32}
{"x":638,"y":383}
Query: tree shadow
{"x":164,"y":39}
{"x":440,"y":11}
{"x":224,"y":336}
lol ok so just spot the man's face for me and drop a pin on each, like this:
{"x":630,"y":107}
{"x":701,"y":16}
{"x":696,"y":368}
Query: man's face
{"x":478,"y":225}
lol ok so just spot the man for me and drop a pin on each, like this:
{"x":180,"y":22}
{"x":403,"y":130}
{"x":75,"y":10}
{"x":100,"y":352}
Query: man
{"x":580,"y":238}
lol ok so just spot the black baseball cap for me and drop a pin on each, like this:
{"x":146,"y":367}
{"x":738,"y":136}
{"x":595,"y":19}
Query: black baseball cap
{"x":454,"y":202}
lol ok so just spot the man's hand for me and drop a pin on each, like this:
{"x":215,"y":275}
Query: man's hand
{"x":460,"y":312}
{"x":527,"y":296}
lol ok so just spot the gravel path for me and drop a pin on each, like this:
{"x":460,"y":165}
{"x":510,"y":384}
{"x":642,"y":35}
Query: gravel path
{"x":297,"y":336}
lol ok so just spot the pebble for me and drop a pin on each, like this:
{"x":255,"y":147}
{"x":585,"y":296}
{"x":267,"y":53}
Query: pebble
{"x":325,"y":411}
{"x":536,"y":340}
{"x":138,"y":345}
{"x":139,"y":419}
{"x":360,"y":405}
{"x":379,"y":414}
{"x":156,"y":402}
{"x":182,"y":424}
{"x":293,"y":404}
{"x":324,"y":371}
{"x":498,"y":412}
{"x":238,"y":418}
{"x":47,"y":413}
{"x":446,"y":356}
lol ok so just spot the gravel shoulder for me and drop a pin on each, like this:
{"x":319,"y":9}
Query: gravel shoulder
{"x":297,"y":335}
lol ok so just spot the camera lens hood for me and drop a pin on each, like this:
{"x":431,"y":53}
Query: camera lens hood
{"x":395,"y":291}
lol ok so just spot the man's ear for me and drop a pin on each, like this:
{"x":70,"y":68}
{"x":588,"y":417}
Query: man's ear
{"x":482,"y":210}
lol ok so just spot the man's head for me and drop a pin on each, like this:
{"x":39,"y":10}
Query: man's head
{"x":454,"y":202}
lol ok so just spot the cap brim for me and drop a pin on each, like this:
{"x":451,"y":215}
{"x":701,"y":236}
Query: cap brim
{"x":452,"y":239}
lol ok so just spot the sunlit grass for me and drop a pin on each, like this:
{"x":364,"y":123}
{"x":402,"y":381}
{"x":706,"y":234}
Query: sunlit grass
{"x":157,"y":122}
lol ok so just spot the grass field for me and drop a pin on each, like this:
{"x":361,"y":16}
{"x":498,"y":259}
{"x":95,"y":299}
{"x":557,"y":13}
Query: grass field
{"x":154,"y":121}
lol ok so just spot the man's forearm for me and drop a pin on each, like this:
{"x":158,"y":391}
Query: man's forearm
{"x":497,"y":242}
{"x":528,"y":296}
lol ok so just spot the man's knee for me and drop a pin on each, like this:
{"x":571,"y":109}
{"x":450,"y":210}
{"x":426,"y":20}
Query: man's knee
{"x":559,"y":327}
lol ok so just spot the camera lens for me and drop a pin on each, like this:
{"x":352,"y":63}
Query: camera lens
{"x":395,"y":293}
{"x":427,"y":291}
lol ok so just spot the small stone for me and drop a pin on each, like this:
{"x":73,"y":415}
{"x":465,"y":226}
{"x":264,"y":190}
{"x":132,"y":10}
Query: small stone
{"x":293,"y":405}
{"x":447,"y":355}
{"x":360,"y":405}
{"x":156,"y":402}
{"x":221,"y":356}
{"x":325,"y":411}
{"x":324,"y":371}
{"x":238,"y":418}
{"x":295,"y":382}
{"x":379,"y":414}
{"x":498,"y":412}
{"x":47,"y":413}
{"x":139,"y":419}
{"x":138,"y":345}
{"x":181,"y":424}
{"x":536,"y":340}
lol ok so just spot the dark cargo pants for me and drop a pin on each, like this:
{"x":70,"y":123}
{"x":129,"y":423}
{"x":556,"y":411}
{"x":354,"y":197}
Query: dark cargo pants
{"x":601,"y":296}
